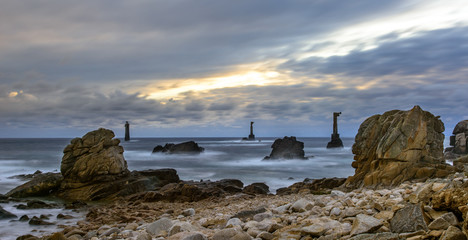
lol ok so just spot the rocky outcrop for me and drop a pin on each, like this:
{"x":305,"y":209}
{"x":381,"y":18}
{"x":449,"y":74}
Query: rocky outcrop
{"x":41,"y":184}
{"x":398,"y":146}
{"x":286,"y":148}
{"x":94,"y":157}
{"x":93,"y":168}
{"x":191,"y":191}
{"x":190,"y":147}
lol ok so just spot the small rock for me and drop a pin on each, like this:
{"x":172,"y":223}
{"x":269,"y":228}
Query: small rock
{"x":90,"y":234}
{"x":265,"y":236}
{"x":110,"y":231}
{"x":188,"y":212}
{"x":62,"y":216}
{"x":131,"y":226}
{"x":302,"y":205}
{"x":37,"y":221}
{"x":231,"y":234}
{"x":259,"y":217}
{"x":57,"y":236}
{"x":282,"y":209}
{"x":384,"y":215}
{"x":409,"y":219}
{"x":143,"y":236}
{"x":315,"y":230}
{"x":24,"y":218}
{"x":453,"y":233}
{"x":365,"y":224}
{"x":159,"y":227}
{"x":234,"y":222}
{"x":336,"y":193}
{"x":188,"y":236}
{"x":4,"y":214}
{"x":335,"y":211}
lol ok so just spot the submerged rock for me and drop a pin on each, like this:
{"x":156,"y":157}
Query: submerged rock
{"x":398,"y":146}
{"x":181,"y":148}
{"x":4,"y":214}
{"x":286,"y":148}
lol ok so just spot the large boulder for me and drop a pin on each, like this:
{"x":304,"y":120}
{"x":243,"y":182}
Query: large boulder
{"x":190,"y":147}
{"x":286,"y":148}
{"x":94,"y":157}
{"x":398,"y":146}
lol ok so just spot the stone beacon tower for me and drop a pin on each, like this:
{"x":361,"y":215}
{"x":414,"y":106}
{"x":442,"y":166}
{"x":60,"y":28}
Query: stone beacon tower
{"x":251,"y":136}
{"x":335,"y":137}
{"x":127,"y":131}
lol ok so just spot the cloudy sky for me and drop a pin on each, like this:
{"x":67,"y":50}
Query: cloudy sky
{"x":209,"y":67}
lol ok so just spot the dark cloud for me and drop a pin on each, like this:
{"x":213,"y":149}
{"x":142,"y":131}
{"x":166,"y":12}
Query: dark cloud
{"x":110,"y":41}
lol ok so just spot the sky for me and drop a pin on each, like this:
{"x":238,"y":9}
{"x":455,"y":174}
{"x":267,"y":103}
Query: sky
{"x":207,"y":68}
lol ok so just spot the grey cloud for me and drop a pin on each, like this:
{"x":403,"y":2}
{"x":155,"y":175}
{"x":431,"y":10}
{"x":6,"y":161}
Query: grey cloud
{"x":110,"y":41}
{"x":444,"y":51}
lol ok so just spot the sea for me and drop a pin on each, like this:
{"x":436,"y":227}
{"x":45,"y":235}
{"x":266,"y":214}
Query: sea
{"x":223,"y":158}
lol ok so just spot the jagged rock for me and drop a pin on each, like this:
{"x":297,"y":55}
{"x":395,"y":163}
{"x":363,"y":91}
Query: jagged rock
{"x":286,"y":148}
{"x":458,"y":141}
{"x":185,"y":147}
{"x":4,"y":214}
{"x":41,"y":185}
{"x":94,"y":157}
{"x":453,"y":233}
{"x":409,"y":219}
{"x":256,"y":188}
{"x":398,"y":146}
{"x":323,"y":185}
{"x":365,"y":224}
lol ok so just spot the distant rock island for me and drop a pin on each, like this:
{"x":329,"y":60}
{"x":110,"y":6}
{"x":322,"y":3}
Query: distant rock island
{"x":189,"y":147}
{"x":287,"y":148}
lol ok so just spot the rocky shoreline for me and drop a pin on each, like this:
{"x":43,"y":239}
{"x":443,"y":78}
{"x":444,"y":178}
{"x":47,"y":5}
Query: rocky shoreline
{"x":434,"y":209}
{"x":402,"y":189}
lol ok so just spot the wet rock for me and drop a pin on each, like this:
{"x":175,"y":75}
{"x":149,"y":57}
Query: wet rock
{"x":365,"y":224}
{"x":62,"y":216}
{"x":40,"y":185}
{"x":190,"y":147}
{"x":315,"y":186}
{"x":27,"y":237}
{"x":37,"y":221}
{"x":286,"y":148}
{"x":256,"y":188}
{"x":231,"y":234}
{"x":4,"y":214}
{"x":409,"y":219}
{"x":24,"y":218}
{"x":57,"y":236}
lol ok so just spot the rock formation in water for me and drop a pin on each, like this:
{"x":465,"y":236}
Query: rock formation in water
{"x":286,"y":148}
{"x":190,"y":147}
{"x":458,"y":141}
{"x":93,"y":168}
{"x":335,"y":137}
{"x":398,"y":146}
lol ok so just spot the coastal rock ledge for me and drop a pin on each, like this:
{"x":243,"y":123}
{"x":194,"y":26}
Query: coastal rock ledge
{"x":398,"y":146}
{"x":93,"y":168}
